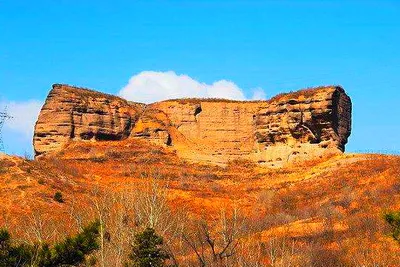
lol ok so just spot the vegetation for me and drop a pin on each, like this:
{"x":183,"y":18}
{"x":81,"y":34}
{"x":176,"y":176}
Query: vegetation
{"x":86,"y":91}
{"x":393,"y":219}
{"x":71,"y":251}
{"x":210,"y":99}
{"x":13,"y":255}
{"x":326,"y":212}
{"x":306,"y":92}
{"x":58,"y":197}
{"x":147,"y":250}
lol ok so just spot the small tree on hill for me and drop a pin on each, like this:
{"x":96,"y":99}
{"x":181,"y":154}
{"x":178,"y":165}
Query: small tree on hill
{"x":147,"y":250}
{"x":58,"y":197}
{"x":393,"y":218}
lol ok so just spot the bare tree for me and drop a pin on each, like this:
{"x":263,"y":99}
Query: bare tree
{"x":40,"y":227}
{"x":79,"y":213}
{"x":123,"y":213}
{"x":214,"y":244}
{"x":120,"y":226}
{"x":281,"y":252}
{"x":152,"y":210}
{"x":102,"y":208}
{"x":250,"y":253}
{"x":151,"y":206}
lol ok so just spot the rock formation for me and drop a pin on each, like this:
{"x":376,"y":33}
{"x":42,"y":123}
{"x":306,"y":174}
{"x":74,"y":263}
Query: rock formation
{"x":70,"y":113}
{"x":287,"y":128}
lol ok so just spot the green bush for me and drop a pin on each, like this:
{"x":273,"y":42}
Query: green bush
{"x":2,"y":169}
{"x":70,"y":252}
{"x":147,"y":250}
{"x":58,"y":197}
{"x":13,"y":256}
{"x":393,"y":219}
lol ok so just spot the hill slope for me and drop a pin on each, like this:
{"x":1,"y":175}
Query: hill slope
{"x":329,"y":208}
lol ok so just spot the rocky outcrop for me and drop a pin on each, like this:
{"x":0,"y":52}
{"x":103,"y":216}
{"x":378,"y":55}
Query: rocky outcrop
{"x":287,"y":128}
{"x":71,"y":113}
{"x":320,"y":116}
{"x":222,"y":130}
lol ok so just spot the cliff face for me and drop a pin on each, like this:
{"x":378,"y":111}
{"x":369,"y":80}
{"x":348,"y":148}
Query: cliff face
{"x":287,"y":128}
{"x":77,"y":114}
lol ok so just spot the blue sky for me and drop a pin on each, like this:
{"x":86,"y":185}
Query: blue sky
{"x":273,"y":46}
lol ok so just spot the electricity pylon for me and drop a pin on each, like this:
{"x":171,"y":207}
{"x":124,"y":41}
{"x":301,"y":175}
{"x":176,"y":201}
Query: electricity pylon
{"x":3,"y":117}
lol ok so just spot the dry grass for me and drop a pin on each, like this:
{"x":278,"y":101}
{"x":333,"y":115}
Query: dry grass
{"x":199,"y":100}
{"x":307,"y":93}
{"x":324,"y":207}
{"x":85,"y":91}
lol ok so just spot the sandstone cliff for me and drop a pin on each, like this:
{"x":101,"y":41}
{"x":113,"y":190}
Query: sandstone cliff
{"x":70,"y":113}
{"x":287,"y":128}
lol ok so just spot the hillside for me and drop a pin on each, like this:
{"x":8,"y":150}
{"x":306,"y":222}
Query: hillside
{"x":323,"y":212}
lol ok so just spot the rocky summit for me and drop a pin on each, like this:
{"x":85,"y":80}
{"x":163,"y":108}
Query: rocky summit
{"x":286,"y":129}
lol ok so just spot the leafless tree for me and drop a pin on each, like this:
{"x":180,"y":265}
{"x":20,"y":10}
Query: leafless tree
{"x":123,"y":213}
{"x":102,"y":208}
{"x":152,"y":210}
{"x":281,"y":252}
{"x":40,"y":227}
{"x":214,"y":244}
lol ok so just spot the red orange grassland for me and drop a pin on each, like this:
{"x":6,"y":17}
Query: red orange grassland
{"x":335,"y":203}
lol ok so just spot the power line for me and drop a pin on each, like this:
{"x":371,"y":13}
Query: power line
{"x":3,"y":117}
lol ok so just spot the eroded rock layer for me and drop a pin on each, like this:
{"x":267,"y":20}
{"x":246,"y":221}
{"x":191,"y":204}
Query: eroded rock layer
{"x":70,"y":113}
{"x":287,"y":128}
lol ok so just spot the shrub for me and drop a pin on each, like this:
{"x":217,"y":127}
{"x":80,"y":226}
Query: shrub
{"x":13,"y":256}
{"x":70,"y":252}
{"x":285,"y":201}
{"x":147,"y":250}
{"x":58,"y":197}
{"x":2,"y":169}
{"x":98,"y":159}
{"x":393,"y":219}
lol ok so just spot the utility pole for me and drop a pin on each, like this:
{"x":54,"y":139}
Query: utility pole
{"x":3,"y":117}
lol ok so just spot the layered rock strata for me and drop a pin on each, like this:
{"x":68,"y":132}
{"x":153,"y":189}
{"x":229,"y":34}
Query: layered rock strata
{"x":289,"y":127}
{"x":71,"y":113}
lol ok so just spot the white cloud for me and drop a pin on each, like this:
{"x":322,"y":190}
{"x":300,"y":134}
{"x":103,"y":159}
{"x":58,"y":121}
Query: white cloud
{"x":24,"y":116}
{"x":153,"y":86}
{"x":258,"y":94}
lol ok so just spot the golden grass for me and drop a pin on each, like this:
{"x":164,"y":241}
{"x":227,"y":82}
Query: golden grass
{"x":336,"y":202}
